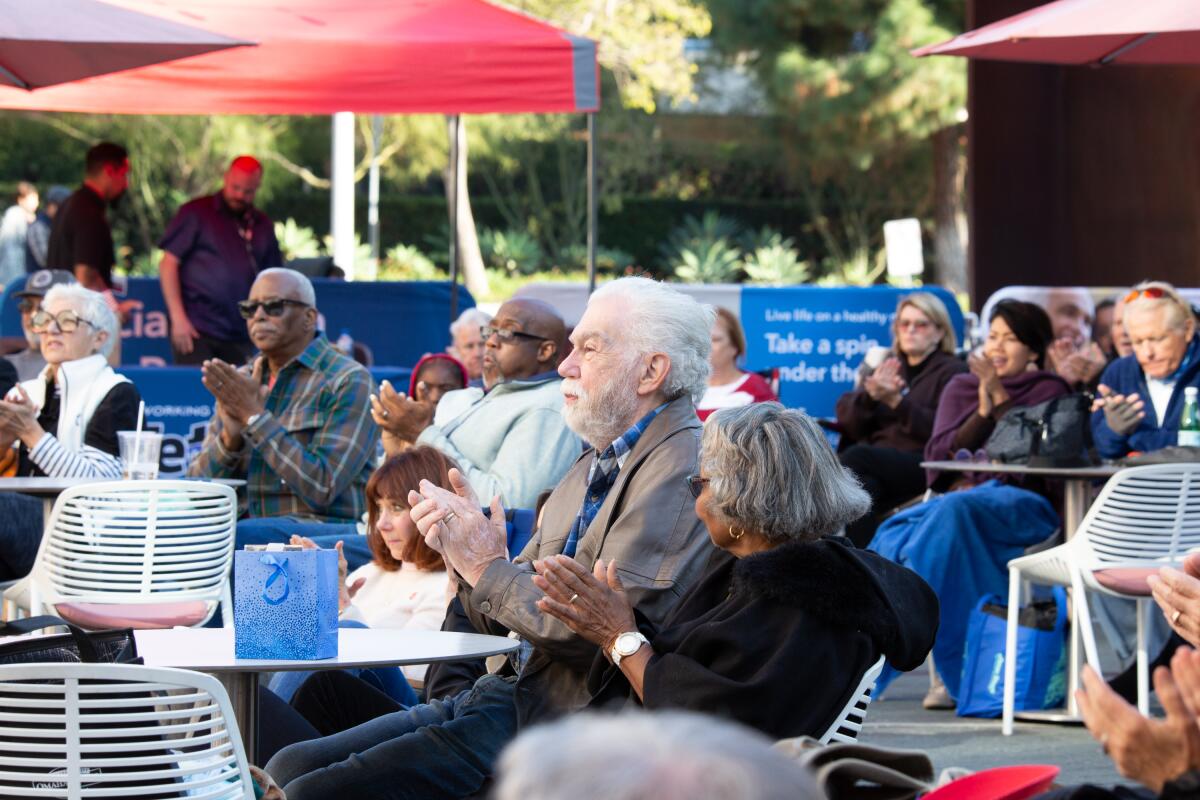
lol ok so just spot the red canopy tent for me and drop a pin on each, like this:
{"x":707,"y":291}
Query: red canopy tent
{"x":366,"y":56}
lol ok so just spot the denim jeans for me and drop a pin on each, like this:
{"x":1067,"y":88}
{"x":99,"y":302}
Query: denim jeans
{"x":389,"y":680}
{"x":443,"y":749}
{"x":20,"y":535}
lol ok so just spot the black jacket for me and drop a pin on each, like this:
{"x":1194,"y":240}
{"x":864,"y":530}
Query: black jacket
{"x":779,"y":640}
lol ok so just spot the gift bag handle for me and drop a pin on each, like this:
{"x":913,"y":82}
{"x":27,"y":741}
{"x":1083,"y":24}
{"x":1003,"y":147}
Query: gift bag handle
{"x":87,"y":651}
{"x":280,"y":571}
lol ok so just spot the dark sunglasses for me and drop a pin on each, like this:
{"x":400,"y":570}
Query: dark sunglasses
{"x":273,"y":308}
{"x":67,"y":321}
{"x":695,"y":484}
{"x":487,"y":331}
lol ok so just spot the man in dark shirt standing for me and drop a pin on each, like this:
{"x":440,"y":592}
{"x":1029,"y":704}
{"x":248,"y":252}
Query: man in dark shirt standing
{"x":212,"y":251}
{"x":81,"y":240}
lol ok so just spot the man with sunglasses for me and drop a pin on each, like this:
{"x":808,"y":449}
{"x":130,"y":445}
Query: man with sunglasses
{"x":295,"y":426}
{"x":511,"y":440}
{"x":29,"y":362}
{"x":212,"y":251}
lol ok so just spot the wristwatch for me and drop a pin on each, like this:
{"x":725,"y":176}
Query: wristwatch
{"x":253,"y":418}
{"x":627,"y":644}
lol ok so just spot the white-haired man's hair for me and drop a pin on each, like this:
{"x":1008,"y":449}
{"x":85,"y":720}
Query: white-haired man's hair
{"x":665,"y":320}
{"x":471,"y":318}
{"x":639,"y":755}
{"x":92,"y":307}
{"x":305,"y":292}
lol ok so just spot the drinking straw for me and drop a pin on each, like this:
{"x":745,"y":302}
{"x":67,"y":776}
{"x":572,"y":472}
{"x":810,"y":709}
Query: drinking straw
{"x":137,"y":439}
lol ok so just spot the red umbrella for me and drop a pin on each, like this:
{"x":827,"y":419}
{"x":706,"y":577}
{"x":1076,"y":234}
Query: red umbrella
{"x":1087,"y":32}
{"x":47,"y":42}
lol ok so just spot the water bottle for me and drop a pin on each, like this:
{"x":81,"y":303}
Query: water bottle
{"x":345,"y":342}
{"x":1189,"y":420}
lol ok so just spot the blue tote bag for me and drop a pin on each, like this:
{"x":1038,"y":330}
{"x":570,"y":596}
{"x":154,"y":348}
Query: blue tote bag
{"x":1041,"y":656}
{"x":285,"y":604}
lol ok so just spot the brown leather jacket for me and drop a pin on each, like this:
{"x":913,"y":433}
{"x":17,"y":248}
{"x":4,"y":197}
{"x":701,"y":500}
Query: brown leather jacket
{"x":647,"y":524}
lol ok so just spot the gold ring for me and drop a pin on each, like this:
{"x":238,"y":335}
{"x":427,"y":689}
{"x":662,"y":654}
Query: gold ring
{"x":574,"y":597}
{"x":1175,"y":617}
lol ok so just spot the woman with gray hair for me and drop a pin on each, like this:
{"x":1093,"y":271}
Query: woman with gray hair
{"x":778,"y":631}
{"x":64,"y":422}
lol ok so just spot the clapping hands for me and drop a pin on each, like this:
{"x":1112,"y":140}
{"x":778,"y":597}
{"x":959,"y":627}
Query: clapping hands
{"x":885,"y":385}
{"x":1122,"y":412}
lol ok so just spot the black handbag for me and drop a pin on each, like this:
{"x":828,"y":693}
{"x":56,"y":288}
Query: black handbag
{"x":75,"y":646}
{"x":1056,"y":433}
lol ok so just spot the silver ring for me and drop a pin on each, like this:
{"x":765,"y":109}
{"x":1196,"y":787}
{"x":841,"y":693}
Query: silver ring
{"x":1175,"y":617}
{"x":384,"y":413}
{"x":574,"y":597}
{"x":220,"y":384}
{"x":449,"y":515}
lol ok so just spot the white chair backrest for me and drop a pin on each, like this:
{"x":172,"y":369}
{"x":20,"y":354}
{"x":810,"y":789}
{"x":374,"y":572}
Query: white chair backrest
{"x":850,"y":722}
{"x":1149,"y":513}
{"x":84,"y":731}
{"x":138,"y":542}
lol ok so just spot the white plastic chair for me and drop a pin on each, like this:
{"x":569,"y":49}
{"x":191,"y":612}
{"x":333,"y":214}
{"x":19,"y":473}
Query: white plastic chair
{"x":1145,"y":518}
{"x":849,"y":723}
{"x":84,"y":731}
{"x":137,"y":554}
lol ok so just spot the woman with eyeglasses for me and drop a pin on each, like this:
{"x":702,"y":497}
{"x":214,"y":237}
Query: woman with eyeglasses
{"x":779,"y":629}
{"x":63,"y":423}
{"x":730,"y":386}
{"x":1141,"y":396}
{"x":886,"y":421}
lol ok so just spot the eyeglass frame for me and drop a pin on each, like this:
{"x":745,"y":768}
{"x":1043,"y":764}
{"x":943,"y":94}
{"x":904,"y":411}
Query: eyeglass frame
{"x":696,"y":484}
{"x":507,"y":334}
{"x":249,"y":308}
{"x":39,"y":329}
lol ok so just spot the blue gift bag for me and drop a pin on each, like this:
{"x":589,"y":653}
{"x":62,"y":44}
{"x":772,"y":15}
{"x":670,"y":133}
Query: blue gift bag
{"x":285,"y":604}
{"x":1041,"y":656}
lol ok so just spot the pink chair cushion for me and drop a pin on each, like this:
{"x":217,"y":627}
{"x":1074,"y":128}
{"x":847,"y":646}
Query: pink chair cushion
{"x":139,"y":616}
{"x":1001,"y":783}
{"x":1126,"y":580}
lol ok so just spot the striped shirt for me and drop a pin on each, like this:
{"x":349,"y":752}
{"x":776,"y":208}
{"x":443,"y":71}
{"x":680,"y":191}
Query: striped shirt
{"x":99,"y":455}
{"x":309,"y":454}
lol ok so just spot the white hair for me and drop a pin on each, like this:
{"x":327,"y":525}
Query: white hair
{"x":638,"y":755}
{"x":663,"y":319}
{"x":471,"y":318}
{"x":304,"y":288}
{"x":92,"y":307}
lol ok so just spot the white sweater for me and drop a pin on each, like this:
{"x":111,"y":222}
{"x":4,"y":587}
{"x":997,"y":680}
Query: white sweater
{"x":409,"y":598}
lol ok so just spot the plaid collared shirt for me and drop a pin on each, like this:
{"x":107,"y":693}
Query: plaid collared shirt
{"x":602,"y":475}
{"x":310,"y":453}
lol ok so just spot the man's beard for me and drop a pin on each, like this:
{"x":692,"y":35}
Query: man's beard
{"x":600,"y":417}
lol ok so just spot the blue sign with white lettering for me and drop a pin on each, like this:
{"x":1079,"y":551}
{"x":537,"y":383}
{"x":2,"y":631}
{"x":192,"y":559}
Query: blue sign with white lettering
{"x":816,"y":337}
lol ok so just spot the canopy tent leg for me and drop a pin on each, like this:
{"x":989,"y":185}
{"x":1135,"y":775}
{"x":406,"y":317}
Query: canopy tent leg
{"x":591,"y":201}
{"x":342,"y":196}
{"x":455,"y":134}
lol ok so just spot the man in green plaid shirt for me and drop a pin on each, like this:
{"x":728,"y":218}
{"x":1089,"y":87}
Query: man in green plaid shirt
{"x":297,"y":425}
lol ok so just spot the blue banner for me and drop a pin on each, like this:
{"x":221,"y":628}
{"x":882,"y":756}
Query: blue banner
{"x":818,"y":336}
{"x":399,"y":321}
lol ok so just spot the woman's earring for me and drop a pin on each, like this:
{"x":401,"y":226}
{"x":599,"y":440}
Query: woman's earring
{"x":738,"y":535}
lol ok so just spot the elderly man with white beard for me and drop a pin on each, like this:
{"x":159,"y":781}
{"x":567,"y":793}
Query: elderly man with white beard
{"x":640,"y":361}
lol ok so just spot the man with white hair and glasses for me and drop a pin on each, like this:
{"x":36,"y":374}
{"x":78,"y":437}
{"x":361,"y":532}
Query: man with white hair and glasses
{"x":640,"y":361}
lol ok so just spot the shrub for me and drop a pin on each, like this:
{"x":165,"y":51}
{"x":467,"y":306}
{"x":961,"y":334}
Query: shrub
{"x":296,"y":241}
{"x":406,"y":262}
{"x":776,"y":265}
{"x":515,"y":252}
{"x":712,"y":262}
{"x":608,"y":259}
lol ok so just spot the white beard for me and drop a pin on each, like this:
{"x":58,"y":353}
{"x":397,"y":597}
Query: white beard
{"x":600,"y":417}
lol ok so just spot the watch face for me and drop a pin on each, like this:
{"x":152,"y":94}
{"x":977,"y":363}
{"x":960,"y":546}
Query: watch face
{"x":628,"y":644}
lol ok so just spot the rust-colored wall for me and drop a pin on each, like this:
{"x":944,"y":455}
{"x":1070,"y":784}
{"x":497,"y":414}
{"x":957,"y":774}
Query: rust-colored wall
{"x":1081,"y":175}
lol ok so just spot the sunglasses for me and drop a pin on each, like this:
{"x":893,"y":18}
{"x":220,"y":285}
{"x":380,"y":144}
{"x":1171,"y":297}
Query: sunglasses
{"x":695,"y":484}
{"x":28,"y":306}
{"x":1152,"y":293}
{"x":505,"y":335}
{"x":272,"y":308}
{"x":67,"y":321}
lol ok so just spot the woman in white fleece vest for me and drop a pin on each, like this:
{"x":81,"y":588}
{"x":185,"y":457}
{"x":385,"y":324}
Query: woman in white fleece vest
{"x":63,"y":423}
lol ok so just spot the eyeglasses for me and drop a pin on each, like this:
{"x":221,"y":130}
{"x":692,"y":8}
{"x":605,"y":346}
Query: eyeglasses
{"x":1150,"y":293}
{"x":273,"y":308}
{"x":67,"y":321}
{"x":695,"y":484}
{"x":915,"y":324}
{"x":506,"y":335}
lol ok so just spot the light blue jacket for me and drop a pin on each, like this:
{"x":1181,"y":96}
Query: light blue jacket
{"x":512,"y":441}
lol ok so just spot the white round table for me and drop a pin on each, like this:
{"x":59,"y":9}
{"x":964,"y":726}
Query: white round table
{"x":50,"y":488}
{"x":210,"y":650}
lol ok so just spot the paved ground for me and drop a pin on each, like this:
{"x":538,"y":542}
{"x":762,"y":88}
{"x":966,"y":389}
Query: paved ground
{"x":899,"y":721}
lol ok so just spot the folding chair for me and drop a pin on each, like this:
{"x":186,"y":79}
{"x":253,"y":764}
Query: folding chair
{"x":849,"y":723}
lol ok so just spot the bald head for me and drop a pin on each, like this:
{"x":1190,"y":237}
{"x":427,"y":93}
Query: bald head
{"x":530,"y":339}
{"x":241,"y":183}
